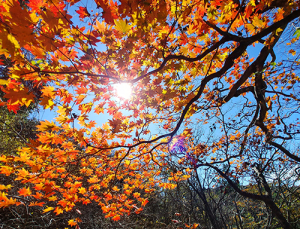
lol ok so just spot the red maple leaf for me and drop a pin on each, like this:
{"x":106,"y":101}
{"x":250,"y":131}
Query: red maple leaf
{"x":82,"y":12}
{"x":13,"y":107}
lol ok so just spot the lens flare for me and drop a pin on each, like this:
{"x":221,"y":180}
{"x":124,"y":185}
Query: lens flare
{"x":123,"y":90}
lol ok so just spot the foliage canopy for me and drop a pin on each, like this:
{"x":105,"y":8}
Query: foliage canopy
{"x":229,"y":67}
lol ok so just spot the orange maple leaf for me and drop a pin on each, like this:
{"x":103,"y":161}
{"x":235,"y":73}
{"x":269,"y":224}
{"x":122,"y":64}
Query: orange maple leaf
{"x":39,"y":186}
{"x":116,"y":218}
{"x":40,"y":204}
{"x":58,"y":210}
{"x":144,"y":202}
{"x":72,"y":222}
{"x":19,"y":97}
{"x":82,"y":190}
{"x":46,"y":125}
{"x":6,"y":170}
{"x":25,"y":192}
{"x":22,"y":173}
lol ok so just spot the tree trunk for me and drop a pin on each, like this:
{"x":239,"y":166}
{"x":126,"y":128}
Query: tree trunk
{"x":278,"y":214}
{"x":212,"y":218}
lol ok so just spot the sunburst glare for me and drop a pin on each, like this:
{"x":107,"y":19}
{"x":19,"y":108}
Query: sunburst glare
{"x":123,"y":90}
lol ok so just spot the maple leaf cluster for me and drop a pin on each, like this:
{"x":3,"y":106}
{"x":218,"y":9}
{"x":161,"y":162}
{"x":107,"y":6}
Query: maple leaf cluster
{"x":189,"y":63}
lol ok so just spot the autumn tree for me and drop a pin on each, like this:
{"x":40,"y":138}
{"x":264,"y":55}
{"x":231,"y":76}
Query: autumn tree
{"x":248,"y":198}
{"x":16,"y":129}
{"x":189,"y":63}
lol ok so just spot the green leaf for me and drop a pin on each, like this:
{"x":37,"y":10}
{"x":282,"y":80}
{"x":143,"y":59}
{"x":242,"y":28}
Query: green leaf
{"x":297,"y":32}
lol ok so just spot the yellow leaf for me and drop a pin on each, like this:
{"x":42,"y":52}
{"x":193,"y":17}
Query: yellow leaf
{"x":293,"y":52}
{"x":13,"y":40}
{"x":48,"y":209}
{"x":52,"y":198}
{"x":47,"y":102}
{"x":184,"y":50}
{"x":3,"y":187}
{"x":122,"y":26}
{"x":105,"y":126}
{"x":14,"y":76}
{"x":34,"y":18}
{"x":100,"y":26}
{"x":82,"y":190}
{"x":257,"y":22}
{"x":72,"y":222}
{"x":3,"y":82}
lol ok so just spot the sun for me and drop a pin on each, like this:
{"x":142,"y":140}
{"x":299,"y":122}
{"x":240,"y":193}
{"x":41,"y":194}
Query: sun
{"x":123,"y":90}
